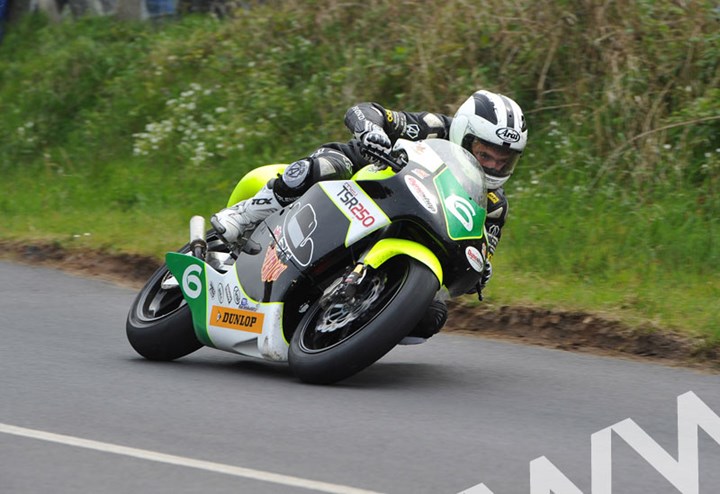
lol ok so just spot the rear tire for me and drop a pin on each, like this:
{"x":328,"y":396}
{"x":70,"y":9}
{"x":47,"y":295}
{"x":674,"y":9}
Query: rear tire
{"x":322,"y":352}
{"x":159,"y":325}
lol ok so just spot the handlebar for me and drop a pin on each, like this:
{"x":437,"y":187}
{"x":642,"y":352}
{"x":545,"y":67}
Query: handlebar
{"x":396,"y":160}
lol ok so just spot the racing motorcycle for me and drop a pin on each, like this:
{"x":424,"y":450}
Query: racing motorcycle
{"x":335,"y":280}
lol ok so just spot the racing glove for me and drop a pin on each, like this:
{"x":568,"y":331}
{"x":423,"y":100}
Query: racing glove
{"x":374,"y":138}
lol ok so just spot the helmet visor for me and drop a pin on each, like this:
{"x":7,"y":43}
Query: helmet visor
{"x":496,"y":160}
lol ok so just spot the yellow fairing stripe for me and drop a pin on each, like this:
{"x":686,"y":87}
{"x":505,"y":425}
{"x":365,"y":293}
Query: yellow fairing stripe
{"x":391,"y":247}
{"x":370,"y":172}
{"x":253,"y":181}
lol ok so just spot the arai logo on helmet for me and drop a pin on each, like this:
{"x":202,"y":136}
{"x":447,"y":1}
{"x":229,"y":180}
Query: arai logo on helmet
{"x":508,"y":135}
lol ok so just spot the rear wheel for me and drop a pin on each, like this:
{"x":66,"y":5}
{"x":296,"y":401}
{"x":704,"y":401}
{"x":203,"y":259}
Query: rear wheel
{"x":159,"y":325}
{"x":334,"y":343}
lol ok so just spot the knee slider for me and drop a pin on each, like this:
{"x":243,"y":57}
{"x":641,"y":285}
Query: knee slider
{"x":294,"y":182}
{"x":323,"y":164}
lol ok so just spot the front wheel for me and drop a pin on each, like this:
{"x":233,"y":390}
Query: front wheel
{"x":159,"y":325}
{"x":334,"y":343}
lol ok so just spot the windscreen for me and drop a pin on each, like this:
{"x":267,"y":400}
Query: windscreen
{"x":464,"y":167}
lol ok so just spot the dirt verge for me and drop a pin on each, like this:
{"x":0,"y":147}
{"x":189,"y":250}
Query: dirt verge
{"x":576,"y":331}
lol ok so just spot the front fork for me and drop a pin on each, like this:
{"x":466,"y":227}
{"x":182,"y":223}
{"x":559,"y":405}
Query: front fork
{"x":345,"y":288}
{"x":198,"y":244}
{"x":220,"y":261}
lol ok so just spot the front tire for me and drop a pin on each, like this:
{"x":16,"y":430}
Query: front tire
{"x":159,"y":325}
{"x":329,"y":345}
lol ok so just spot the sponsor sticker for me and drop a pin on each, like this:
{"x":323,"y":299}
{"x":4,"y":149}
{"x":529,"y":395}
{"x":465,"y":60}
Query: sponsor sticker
{"x":272,"y":267}
{"x":349,"y":196}
{"x":418,"y":151}
{"x":508,"y":134}
{"x":475,"y":259}
{"x":365,"y":216}
{"x":422,"y":194}
{"x":240,"y":320}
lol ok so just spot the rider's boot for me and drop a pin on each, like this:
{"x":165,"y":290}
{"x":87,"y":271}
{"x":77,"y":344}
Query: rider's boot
{"x":230,"y":223}
{"x":431,"y":323}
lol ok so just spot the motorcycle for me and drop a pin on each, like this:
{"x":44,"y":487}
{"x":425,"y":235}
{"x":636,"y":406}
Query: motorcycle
{"x":332,"y":282}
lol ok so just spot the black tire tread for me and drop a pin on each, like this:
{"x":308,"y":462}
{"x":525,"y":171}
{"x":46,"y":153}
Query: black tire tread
{"x":166,"y":338}
{"x":373,"y":341}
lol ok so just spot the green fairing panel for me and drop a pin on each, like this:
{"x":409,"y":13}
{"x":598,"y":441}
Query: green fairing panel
{"x":465,"y":218}
{"x":190,"y":273}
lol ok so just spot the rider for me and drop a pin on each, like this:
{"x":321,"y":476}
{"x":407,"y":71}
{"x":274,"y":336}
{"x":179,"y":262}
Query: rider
{"x":489,"y":125}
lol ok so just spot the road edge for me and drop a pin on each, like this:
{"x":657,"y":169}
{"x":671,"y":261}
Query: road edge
{"x":565,"y":330}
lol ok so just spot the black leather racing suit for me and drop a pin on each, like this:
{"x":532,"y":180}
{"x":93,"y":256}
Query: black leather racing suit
{"x":338,"y":161}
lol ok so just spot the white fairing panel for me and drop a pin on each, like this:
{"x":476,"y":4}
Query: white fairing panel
{"x":238,"y":324}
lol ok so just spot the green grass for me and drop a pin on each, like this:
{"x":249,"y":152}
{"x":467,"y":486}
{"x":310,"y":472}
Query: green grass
{"x":113,"y":134}
{"x":688,"y":305}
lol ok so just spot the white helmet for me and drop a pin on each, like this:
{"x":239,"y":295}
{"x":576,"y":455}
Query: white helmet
{"x":497,"y":121}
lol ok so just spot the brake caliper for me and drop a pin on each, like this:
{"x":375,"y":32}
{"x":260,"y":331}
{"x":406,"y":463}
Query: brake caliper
{"x":344,"y":289}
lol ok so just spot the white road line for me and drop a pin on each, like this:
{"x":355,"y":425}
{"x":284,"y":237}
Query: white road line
{"x":145,"y":454}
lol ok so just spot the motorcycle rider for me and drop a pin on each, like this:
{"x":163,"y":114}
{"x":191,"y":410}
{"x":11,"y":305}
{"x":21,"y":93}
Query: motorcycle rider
{"x":489,"y":125}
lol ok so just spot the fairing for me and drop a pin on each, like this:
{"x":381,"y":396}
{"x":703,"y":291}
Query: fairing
{"x":433,"y":210}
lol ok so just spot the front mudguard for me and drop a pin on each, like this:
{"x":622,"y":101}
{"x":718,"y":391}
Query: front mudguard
{"x":388,"y":248}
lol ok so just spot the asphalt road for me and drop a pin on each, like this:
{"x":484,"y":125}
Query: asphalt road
{"x":81,"y":412}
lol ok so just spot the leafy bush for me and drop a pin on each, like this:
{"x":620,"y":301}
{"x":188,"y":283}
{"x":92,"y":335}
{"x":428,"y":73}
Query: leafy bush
{"x":619,"y":181}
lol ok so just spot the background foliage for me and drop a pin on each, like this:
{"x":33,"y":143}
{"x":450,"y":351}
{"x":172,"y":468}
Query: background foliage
{"x":114,"y":133}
